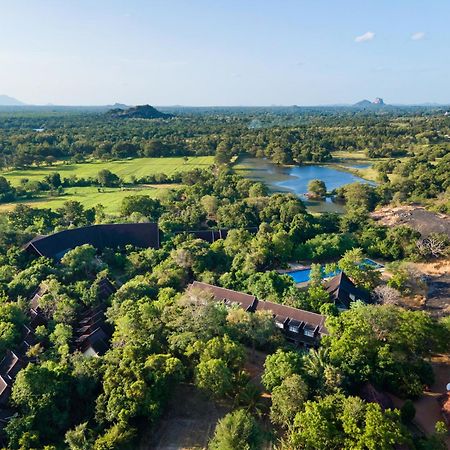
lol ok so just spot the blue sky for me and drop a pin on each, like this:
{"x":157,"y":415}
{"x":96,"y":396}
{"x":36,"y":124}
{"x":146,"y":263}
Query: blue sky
{"x":224,"y":52}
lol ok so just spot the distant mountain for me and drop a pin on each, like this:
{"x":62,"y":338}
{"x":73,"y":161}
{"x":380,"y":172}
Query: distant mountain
{"x":6,"y":100}
{"x":138,"y":112}
{"x":118,"y":106}
{"x":363,"y":103}
{"x":377,"y":103}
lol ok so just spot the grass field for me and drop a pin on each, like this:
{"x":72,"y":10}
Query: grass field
{"x":110,"y":198}
{"x":357,"y":163}
{"x":124,"y":168}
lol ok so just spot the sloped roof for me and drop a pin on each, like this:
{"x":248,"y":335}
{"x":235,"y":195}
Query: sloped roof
{"x":106,"y":288}
{"x":341,"y":287}
{"x":246,"y":301}
{"x":283,"y":312}
{"x":99,"y":236}
{"x":97,"y":340}
{"x":5,"y":390}
{"x":38,"y":294}
{"x":249,"y":302}
{"x":11,"y":364}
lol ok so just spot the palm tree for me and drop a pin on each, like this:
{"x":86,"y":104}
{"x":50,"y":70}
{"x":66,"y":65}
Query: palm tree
{"x":315,"y":362}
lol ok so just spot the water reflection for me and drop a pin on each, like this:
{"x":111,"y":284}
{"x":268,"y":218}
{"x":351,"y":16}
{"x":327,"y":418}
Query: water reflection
{"x":296,"y":179}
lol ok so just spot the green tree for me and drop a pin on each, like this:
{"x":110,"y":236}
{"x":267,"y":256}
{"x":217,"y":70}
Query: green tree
{"x":385,"y":345}
{"x":279,"y":366}
{"x":348,"y":423}
{"x":317,"y":188}
{"x":256,"y":328}
{"x":225,"y":349}
{"x":237,"y":430}
{"x":215,"y":377}
{"x":7,"y":192}
{"x":80,"y":438}
{"x":288,"y":399}
{"x":42,"y":395}
{"x":143,"y":204}
{"x":407,"y":412}
{"x":81,"y":260}
{"x":359,"y":196}
{"x":108,"y":179}
{"x":73,"y":213}
{"x":118,"y":436}
{"x":362,"y":274}
{"x":316,"y":275}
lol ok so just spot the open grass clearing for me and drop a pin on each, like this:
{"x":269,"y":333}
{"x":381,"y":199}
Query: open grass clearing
{"x":110,"y":198}
{"x":139,"y":167}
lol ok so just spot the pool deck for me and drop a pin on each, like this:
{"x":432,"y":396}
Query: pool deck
{"x":293,"y":268}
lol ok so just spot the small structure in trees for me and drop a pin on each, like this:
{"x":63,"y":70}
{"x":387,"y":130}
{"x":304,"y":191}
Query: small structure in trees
{"x":343,"y":291}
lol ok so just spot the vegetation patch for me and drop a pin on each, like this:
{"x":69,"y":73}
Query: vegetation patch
{"x":125,"y":169}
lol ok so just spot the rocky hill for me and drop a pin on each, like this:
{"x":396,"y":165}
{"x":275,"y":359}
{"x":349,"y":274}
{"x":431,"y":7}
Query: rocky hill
{"x":138,"y":112}
{"x":377,"y":103}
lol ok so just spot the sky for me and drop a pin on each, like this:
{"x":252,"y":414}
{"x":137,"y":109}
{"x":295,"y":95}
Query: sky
{"x":224,"y":52}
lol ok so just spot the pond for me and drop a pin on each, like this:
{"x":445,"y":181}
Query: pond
{"x":296,"y":179}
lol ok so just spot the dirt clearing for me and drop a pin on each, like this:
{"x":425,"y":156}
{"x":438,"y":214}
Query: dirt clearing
{"x":416,"y":217}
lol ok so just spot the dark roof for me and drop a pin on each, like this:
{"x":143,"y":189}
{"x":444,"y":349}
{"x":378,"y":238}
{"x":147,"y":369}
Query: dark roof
{"x":283,"y":314}
{"x":5,"y":390}
{"x":207,"y":235}
{"x":106,"y":288}
{"x":99,"y":236}
{"x":294,"y":316}
{"x":213,"y":235}
{"x":11,"y":364}
{"x":28,"y":332}
{"x":93,"y":331}
{"x":90,"y":327}
{"x":37,"y":319}
{"x":341,"y":288}
{"x":38,"y":294}
{"x":97,"y":340}
{"x":90,"y":319}
{"x":90,"y":312}
{"x":245,"y":301}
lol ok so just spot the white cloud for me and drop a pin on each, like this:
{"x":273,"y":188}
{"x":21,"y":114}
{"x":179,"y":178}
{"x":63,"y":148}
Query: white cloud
{"x":418,"y":36}
{"x":365,"y":37}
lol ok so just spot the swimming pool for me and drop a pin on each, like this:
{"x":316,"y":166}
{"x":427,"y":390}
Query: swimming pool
{"x":302,"y":275}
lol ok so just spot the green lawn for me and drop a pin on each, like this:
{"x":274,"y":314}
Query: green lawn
{"x":124,"y":168}
{"x":110,"y":198}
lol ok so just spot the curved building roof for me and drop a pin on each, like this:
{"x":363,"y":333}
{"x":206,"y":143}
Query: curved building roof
{"x":99,"y":236}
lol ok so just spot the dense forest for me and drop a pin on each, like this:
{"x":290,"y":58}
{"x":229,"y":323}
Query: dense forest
{"x":166,"y":336}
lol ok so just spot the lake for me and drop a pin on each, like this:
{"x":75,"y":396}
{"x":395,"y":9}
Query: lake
{"x":296,"y":179}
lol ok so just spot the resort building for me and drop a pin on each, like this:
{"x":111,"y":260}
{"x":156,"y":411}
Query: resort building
{"x":56,"y":245}
{"x":143,"y":235}
{"x":343,"y":291}
{"x":227,"y":296}
{"x":300,"y":327}
{"x":93,"y":333}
